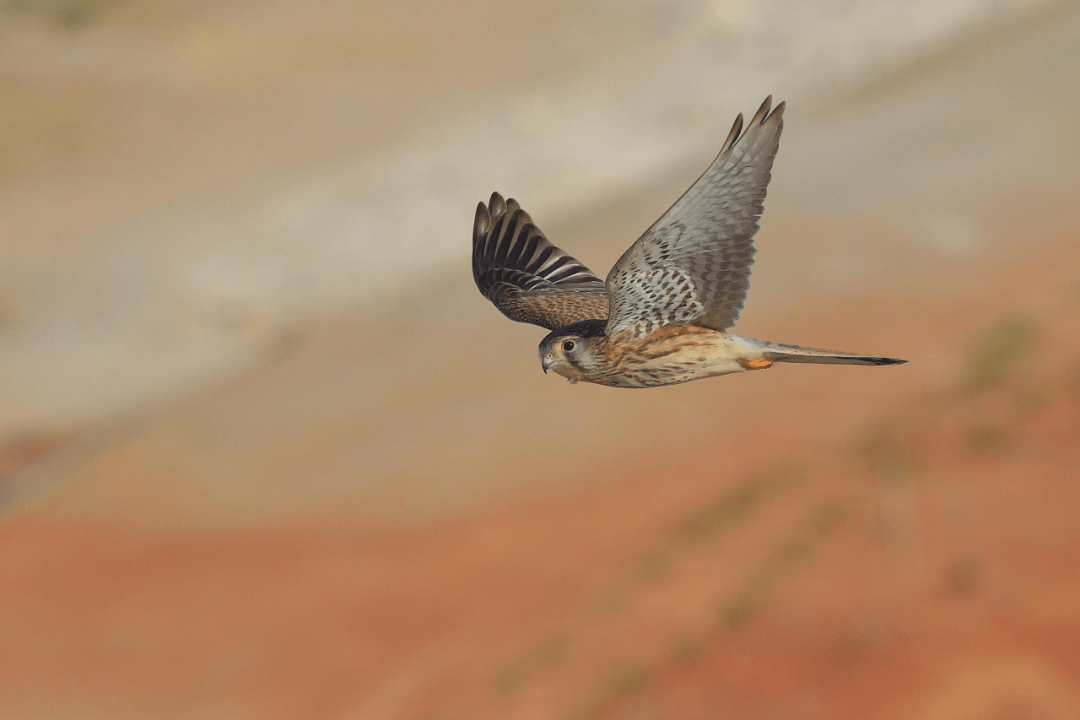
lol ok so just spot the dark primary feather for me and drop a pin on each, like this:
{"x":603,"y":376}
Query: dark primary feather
{"x":693,"y":264}
{"x":526,"y":277}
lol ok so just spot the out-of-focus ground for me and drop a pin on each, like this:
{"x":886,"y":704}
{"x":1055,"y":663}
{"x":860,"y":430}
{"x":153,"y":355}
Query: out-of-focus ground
{"x":253,"y":468}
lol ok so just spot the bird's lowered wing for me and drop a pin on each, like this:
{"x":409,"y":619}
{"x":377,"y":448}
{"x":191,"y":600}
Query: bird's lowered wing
{"x":525,"y":276}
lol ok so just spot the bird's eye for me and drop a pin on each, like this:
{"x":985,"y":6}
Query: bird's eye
{"x":568,"y":345}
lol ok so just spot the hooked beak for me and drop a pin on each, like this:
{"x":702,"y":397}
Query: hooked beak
{"x":547,"y":363}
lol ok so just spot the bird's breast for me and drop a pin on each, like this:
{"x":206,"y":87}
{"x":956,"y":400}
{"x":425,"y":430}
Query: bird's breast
{"x":673,"y":355}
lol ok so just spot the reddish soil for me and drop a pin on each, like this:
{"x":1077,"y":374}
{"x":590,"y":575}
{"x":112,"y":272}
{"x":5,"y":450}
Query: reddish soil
{"x":923,"y":567}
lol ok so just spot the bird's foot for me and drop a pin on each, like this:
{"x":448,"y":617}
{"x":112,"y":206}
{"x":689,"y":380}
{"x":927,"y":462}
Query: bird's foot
{"x":756,"y":363}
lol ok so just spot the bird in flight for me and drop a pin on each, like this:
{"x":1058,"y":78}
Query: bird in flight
{"x":662,"y":316}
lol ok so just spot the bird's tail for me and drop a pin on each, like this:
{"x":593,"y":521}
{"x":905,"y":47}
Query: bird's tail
{"x":798,"y":354}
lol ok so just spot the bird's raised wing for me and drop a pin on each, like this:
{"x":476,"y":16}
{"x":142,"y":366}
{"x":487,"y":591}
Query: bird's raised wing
{"x":525,"y":276}
{"x":693,"y":264}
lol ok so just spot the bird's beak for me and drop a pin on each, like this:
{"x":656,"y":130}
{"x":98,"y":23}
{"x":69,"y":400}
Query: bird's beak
{"x":547,"y":363}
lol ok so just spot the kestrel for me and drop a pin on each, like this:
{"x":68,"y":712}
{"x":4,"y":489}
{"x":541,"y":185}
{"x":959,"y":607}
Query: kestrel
{"x":663,"y":314}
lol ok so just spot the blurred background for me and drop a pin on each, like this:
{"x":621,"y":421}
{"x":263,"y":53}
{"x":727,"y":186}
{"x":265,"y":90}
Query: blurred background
{"x":266,"y":453}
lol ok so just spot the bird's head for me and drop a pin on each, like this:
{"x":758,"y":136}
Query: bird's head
{"x":570,"y":351}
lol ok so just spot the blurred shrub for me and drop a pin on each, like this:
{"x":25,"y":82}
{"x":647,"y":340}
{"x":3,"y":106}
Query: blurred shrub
{"x":891,"y":447}
{"x":9,"y":315}
{"x":985,"y":437}
{"x":736,"y":505}
{"x":784,"y":559}
{"x":73,"y":14}
{"x":963,"y":577}
{"x":1000,"y":350}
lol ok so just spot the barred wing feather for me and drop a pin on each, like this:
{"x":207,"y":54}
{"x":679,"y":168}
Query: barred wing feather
{"x":526,"y":277}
